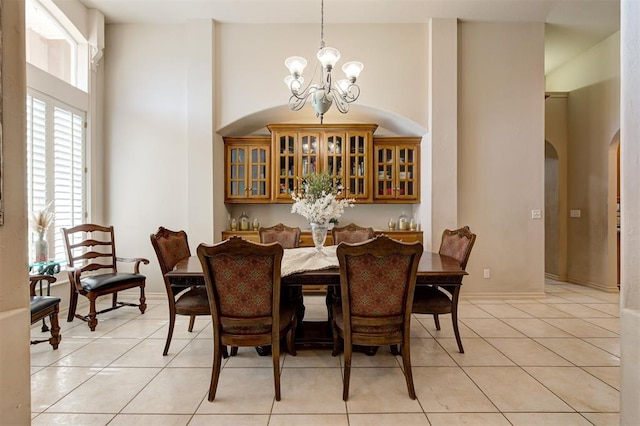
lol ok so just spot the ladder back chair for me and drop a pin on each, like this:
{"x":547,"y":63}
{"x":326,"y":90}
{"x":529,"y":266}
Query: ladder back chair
{"x":93,"y":272}
{"x":45,"y":306}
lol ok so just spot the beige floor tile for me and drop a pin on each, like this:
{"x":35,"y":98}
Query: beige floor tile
{"x":172,"y":391}
{"x":148,"y":353}
{"x":491,"y":328}
{"x":504,"y":311}
{"x":609,"y":344}
{"x":379,"y":390}
{"x":382,"y":358}
{"x":98,"y":353}
{"x":609,"y":375}
{"x":197,"y":353}
{"x":534,"y":327}
{"x":47,"y":419}
{"x":106,"y":392}
{"x":542,"y":310}
{"x":429,"y":353}
{"x":404,"y":419}
{"x":449,"y":389}
{"x":581,"y":298}
{"x":471,"y":419}
{"x":512,"y":389}
{"x":446,"y":328}
{"x":477,"y":352}
{"x":547,"y":419}
{"x":310,"y":420}
{"x":307,"y":358}
{"x":472,"y":311}
{"x":150,"y":419}
{"x":579,"y":352}
{"x":603,"y":419}
{"x":310,"y":391}
{"x":181,"y":328}
{"x":137,"y":328}
{"x":105,"y":325}
{"x":43,"y":355}
{"x":609,"y":308}
{"x":53,"y":383}
{"x":418,"y":330}
{"x":611,"y":324}
{"x":579,"y":327}
{"x":247,"y":357}
{"x":527,"y":352}
{"x":579,"y":310}
{"x":230,"y":419}
{"x":590,"y":395}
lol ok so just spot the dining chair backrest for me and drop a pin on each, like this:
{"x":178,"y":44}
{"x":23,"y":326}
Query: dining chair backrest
{"x":458,"y":244}
{"x":288,"y":237}
{"x":170,"y":247}
{"x":351,"y":233}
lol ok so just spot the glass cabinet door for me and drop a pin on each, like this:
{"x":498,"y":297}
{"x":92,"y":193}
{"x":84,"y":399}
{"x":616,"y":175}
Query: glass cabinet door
{"x":407,"y":166}
{"x":358,"y":173}
{"x":334,"y":158}
{"x":286,"y":164}
{"x":259,"y":180}
{"x":236,"y":168}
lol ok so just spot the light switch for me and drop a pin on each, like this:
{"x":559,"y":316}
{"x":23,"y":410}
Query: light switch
{"x":536,"y":214}
{"x":575,"y":213}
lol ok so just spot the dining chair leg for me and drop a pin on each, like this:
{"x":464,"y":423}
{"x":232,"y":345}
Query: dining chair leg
{"x":291,"y":344}
{"x":192,"y":321}
{"x":143,"y":299}
{"x":454,"y":319}
{"x":215,"y":371}
{"x":114,"y":299}
{"x":348,"y":350}
{"x":73,"y":303}
{"x":275,"y":356}
{"x":408,"y":375}
{"x":172,"y":322}
{"x":55,"y":338}
{"x":93,"y":319}
{"x":436,"y":319}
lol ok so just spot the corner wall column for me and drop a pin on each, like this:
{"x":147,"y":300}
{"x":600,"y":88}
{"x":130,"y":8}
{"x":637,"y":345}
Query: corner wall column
{"x":443,"y":128}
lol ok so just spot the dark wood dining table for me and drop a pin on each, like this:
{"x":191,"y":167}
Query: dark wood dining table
{"x":433,"y":269}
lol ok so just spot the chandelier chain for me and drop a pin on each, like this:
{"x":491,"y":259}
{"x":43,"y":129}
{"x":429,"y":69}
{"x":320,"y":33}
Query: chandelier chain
{"x":322,"y":24}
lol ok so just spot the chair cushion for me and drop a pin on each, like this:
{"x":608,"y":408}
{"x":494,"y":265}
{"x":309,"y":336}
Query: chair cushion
{"x":428,"y":299}
{"x":194,"y":301}
{"x":286,"y":314}
{"x":104,"y":281}
{"x":364,"y":329}
{"x":40,"y":303}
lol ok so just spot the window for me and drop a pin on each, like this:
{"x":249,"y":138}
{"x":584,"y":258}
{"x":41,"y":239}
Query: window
{"x":55,"y":166}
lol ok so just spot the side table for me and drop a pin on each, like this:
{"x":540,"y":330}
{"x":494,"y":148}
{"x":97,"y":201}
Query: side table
{"x":50,"y":267}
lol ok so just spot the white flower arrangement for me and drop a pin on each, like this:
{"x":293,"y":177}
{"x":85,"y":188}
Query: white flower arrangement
{"x":41,"y":220}
{"x":318,"y":199}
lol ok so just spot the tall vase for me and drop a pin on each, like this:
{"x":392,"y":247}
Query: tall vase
{"x":41,"y":249}
{"x":319,"y":234}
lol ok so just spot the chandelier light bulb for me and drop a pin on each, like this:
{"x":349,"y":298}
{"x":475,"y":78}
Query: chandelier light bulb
{"x":352,"y":70}
{"x":328,"y":57}
{"x":295,"y":65}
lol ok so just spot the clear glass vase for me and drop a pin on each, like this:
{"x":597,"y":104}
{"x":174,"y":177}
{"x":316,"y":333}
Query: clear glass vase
{"x":319,"y":234}
{"x":40,"y":249}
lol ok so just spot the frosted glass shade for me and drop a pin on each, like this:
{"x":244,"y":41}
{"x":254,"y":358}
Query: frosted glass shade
{"x":328,"y":56}
{"x":295,"y":65}
{"x":352,"y":69}
{"x":288,"y":79}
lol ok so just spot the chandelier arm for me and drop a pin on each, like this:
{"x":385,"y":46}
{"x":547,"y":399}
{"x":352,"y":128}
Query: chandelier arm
{"x":340,"y":102}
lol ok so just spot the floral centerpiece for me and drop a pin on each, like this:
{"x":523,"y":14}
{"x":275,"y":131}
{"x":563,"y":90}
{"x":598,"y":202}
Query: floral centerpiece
{"x":318,"y":202}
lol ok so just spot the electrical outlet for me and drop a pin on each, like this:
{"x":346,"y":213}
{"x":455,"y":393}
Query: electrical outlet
{"x":536,"y":214}
{"x":575,"y":213}
{"x":487,"y":273}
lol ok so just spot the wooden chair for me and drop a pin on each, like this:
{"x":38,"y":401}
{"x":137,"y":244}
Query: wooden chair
{"x":351,"y":233}
{"x":287,"y":237}
{"x":443,"y":299}
{"x":377,"y":281}
{"x":243,"y":284}
{"x":171,"y":247}
{"x":45,"y":306}
{"x":91,"y":250}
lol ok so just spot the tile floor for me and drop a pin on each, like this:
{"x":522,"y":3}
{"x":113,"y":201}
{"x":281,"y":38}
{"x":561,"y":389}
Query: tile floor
{"x":551,"y":361}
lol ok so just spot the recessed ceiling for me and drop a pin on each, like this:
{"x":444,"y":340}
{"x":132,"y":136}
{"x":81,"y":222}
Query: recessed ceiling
{"x":572,"y":26}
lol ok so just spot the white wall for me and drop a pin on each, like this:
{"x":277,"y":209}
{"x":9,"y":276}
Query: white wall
{"x":500,"y":158}
{"x":501,"y":154}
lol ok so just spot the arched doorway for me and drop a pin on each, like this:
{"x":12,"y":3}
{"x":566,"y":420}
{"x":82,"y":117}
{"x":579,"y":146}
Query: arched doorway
{"x":552,"y":212}
{"x":613,"y":211}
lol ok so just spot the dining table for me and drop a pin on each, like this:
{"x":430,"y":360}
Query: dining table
{"x":307,"y":266}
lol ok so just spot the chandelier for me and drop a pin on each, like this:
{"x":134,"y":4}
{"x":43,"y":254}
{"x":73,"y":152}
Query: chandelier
{"x":324,"y":93}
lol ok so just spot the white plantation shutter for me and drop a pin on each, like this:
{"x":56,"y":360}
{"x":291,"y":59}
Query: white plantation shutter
{"x":55,"y":155}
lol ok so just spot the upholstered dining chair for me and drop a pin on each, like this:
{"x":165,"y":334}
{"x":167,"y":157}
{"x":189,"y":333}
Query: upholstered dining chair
{"x":45,"y":306}
{"x":93,"y":271}
{"x":443,"y":299}
{"x":351,"y":233}
{"x":243,"y":286}
{"x":171,"y":247}
{"x":288,"y":237}
{"x":377,"y":281}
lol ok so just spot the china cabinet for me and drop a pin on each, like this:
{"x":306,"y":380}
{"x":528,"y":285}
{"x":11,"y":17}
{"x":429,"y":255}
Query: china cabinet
{"x":247,"y":170}
{"x":342,"y":150}
{"x":396,"y":169}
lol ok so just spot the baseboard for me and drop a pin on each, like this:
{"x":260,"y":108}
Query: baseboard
{"x":596,"y":286}
{"x":502,"y":296}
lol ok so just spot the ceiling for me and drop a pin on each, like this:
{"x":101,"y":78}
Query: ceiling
{"x":572,"y":26}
